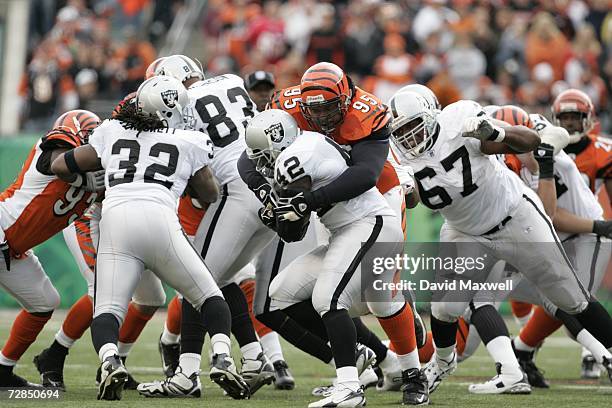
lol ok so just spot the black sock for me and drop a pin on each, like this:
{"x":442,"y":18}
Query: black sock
{"x":570,"y":322}
{"x":488,"y":323}
{"x":306,"y":316}
{"x":193,"y":329}
{"x":342,"y":337}
{"x":58,"y":349}
{"x":366,"y":337}
{"x":104,"y":329}
{"x":443,"y":333}
{"x":242,"y":327}
{"x":216,"y":316}
{"x":297,"y":335}
{"x":598,"y":322}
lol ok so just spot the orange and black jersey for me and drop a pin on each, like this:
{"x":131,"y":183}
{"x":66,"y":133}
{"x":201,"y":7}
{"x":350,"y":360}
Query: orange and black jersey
{"x":593,"y":157}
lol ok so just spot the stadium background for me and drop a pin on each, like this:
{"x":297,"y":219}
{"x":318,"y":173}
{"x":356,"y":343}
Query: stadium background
{"x":67,"y":54}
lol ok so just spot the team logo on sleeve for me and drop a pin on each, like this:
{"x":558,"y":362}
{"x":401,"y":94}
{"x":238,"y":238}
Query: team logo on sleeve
{"x":170,"y":97}
{"x":275,"y":132}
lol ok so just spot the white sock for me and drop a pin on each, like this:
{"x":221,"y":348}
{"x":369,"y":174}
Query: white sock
{"x":220,"y":344}
{"x":348,"y":377}
{"x":63,"y":339}
{"x":251,"y":351}
{"x":592,"y":346}
{"x":410,"y":360}
{"x":271,"y":346}
{"x":6,"y":361}
{"x":190,"y":363}
{"x":445,"y":353}
{"x":168,"y":338}
{"x":390,"y":363}
{"x":521,"y":346}
{"x":124,"y":348}
{"x":108,"y":350}
{"x":522,"y":321}
{"x":500,"y":349}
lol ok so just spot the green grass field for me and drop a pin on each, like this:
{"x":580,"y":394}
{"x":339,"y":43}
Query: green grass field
{"x":559,"y":358}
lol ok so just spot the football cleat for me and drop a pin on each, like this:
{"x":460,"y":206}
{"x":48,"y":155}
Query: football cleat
{"x":420,"y":330}
{"x":589,"y":368}
{"x":177,"y":386}
{"x":323,"y":390}
{"x":113,"y":376}
{"x":170,"y":354}
{"x":51,"y":369}
{"x":9,"y":379}
{"x":414,"y":387}
{"x":364,"y":358}
{"x":391,"y":373}
{"x":437,"y":369}
{"x":223,"y":373}
{"x":535,"y":376}
{"x":368,"y":378}
{"x":258,"y":372}
{"x":341,"y":396}
{"x":283,"y":380}
{"x":503,"y":383}
{"x":607,"y":364}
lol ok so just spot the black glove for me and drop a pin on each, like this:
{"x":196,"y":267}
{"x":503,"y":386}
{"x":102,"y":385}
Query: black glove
{"x":4,"y":247}
{"x":603,"y":228}
{"x":293,"y":205}
{"x":267,"y":217}
{"x":544,"y":156}
{"x":263,"y":193}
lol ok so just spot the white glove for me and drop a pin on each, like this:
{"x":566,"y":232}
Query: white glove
{"x":555,"y":136}
{"x":92,"y":181}
{"x":479,"y":127}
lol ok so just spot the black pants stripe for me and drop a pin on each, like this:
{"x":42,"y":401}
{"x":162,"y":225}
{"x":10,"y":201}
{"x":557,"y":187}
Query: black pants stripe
{"x":278,"y":256}
{"x":594,"y":263}
{"x":356,"y":261}
{"x":213,"y":223}
{"x":567,"y":261}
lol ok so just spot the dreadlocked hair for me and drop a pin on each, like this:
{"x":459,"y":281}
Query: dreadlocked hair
{"x":132,"y":118}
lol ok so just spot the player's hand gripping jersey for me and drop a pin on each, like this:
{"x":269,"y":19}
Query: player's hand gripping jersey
{"x":38,"y":204}
{"x":151,"y":166}
{"x":320,"y":158}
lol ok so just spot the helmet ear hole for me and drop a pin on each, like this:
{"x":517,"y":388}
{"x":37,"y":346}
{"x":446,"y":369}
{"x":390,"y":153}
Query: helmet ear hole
{"x":168,"y":114}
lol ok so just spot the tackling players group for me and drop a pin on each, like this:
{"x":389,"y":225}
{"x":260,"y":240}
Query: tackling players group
{"x":260,"y":220}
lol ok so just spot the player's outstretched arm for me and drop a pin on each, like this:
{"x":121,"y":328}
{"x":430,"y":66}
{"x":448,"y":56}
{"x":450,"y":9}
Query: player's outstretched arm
{"x":497,"y":137}
{"x":77,"y":167}
{"x":203,"y":186}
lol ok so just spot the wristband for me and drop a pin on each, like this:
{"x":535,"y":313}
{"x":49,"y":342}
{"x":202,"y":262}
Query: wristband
{"x":71,"y":162}
{"x":498,"y":135}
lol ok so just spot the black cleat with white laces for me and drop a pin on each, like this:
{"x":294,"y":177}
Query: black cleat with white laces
{"x":223,"y":373}
{"x":170,"y":354}
{"x":415,"y":390}
{"x":51,"y":369}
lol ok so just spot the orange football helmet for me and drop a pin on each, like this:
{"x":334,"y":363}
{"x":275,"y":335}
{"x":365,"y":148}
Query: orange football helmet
{"x":76,"y":125}
{"x":513,"y":115}
{"x":577,"y":102}
{"x":325,"y":96}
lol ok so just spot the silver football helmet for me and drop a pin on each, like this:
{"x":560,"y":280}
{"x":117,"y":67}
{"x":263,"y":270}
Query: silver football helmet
{"x":414,"y":123}
{"x":164,"y":97}
{"x":425,"y":92}
{"x":267,"y":135}
{"x":180,"y":67}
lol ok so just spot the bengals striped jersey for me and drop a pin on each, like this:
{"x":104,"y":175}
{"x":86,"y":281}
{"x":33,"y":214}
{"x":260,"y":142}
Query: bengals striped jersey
{"x":190,"y":214}
{"x":38,"y":204}
{"x":365,"y":115}
{"x":593,"y":157}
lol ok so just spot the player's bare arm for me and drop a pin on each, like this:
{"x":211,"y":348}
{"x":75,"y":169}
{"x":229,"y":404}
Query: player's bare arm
{"x":507,"y":139}
{"x":79,"y":166}
{"x":203,"y":186}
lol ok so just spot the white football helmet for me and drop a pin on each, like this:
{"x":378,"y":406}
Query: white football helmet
{"x":164,"y":97}
{"x":180,"y":67}
{"x":414,"y":123}
{"x":267,"y":135}
{"x":425,"y":92}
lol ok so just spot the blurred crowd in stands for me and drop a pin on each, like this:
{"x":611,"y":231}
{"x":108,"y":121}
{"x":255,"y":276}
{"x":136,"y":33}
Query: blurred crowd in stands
{"x":492,"y":51}
{"x":82,"y":50}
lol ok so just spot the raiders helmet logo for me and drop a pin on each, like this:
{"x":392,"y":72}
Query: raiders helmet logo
{"x":275,"y":132}
{"x":170,"y":97}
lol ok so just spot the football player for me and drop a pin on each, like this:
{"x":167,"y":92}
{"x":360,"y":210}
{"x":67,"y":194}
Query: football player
{"x":484,"y":204}
{"x":573,"y":110}
{"x":150,"y":162}
{"x":230,"y":233}
{"x":326,"y":277}
{"x":34,"y":208}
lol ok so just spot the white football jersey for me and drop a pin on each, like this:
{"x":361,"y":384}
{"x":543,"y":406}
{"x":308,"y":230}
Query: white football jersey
{"x":148,"y":166}
{"x":474,"y":192}
{"x":221,"y":107}
{"x":319,"y":157}
{"x":573,"y":194}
